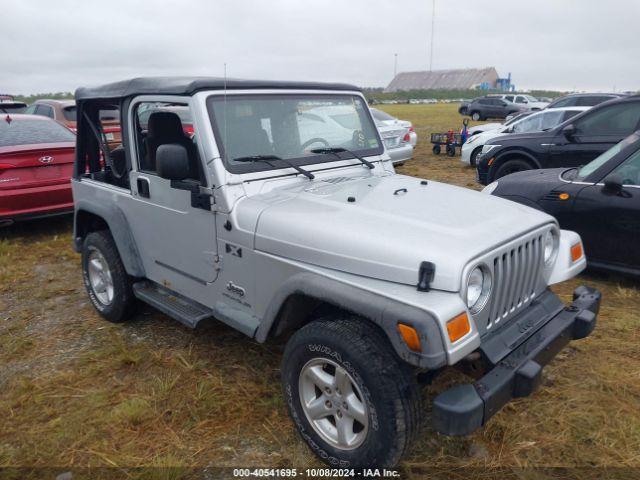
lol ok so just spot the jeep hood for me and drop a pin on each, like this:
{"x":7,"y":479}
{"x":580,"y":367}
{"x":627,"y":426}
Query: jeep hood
{"x":384,"y":226}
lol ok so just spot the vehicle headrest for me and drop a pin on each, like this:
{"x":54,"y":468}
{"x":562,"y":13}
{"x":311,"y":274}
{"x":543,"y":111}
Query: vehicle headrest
{"x":166,"y":125}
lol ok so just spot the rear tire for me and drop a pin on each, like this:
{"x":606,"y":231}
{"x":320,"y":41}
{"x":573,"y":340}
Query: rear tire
{"x":106,"y":280}
{"x":475,"y":116}
{"x":512,"y":166}
{"x":382,"y":409}
{"x":436,"y":149}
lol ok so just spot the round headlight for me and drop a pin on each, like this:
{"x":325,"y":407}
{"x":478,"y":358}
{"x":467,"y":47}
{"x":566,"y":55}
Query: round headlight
{"x":550,"y":247}
{"x":478,"y":289}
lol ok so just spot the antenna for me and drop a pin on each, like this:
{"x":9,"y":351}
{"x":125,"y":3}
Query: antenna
{"x":225,"y":110}
{"x":433,"y":22}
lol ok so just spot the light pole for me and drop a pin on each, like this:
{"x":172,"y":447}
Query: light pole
{"x":395,"y":65}
{"x":433,"y":22}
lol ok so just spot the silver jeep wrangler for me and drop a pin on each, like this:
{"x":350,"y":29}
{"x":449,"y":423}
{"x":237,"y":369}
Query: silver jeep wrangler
{"x":274,"y":208}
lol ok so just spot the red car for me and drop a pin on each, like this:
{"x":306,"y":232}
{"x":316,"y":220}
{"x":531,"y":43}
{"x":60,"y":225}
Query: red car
{"x":36,"y":164}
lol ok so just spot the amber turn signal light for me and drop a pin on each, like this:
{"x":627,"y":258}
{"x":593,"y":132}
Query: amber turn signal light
{"x":576,"y":252}
{"x":410,"y":337}
{"x":563,"y":196}
{"x":458,"y":327}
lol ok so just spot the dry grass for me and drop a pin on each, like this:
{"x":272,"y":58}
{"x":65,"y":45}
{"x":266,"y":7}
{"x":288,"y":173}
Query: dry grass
{"x":76,"y":391}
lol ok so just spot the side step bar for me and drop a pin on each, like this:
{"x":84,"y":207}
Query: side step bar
{"x":184,"y":310}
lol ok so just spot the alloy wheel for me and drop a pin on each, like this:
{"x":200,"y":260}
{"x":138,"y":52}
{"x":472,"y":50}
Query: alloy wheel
{"x":333,"y":403}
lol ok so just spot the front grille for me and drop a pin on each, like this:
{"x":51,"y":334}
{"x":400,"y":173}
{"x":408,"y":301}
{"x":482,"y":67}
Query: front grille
{"x":515,"y":276}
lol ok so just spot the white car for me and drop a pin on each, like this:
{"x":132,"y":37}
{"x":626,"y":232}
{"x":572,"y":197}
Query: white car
{"x":532,"y":103}
{"x":398,"y":136}
{"x":384,"y":119}
{"x":535,"y":122}
{"x":485,"y":127}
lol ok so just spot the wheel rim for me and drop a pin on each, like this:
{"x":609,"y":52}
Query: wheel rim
{"x":333,"y":403}
{"x":100,"y":277}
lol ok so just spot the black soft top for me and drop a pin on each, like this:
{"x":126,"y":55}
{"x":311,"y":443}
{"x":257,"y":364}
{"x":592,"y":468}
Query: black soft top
{"x":191,"y":85}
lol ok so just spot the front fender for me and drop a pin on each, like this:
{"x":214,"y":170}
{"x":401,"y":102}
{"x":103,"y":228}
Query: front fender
{"x":564,"y":267}
{"x":509,"y":154}
{"x":384,"y":312}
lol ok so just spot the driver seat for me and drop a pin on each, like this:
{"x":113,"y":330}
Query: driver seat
{"x":247,"y":138}
{"x":165,"y":128}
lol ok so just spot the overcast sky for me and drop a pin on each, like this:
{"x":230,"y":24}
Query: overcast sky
{"x":59,"y":45}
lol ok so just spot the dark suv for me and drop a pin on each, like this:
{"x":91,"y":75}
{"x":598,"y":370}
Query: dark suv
{"x":575,"y":142}
{"x":491,"y":107}
{"x":584,"y":99}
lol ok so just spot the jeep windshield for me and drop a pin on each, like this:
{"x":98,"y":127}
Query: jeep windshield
{"x":299,"y":128}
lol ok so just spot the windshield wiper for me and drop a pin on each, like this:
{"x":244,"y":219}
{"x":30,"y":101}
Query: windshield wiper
{"x":336,"y":150}
{"x":266,"y":158}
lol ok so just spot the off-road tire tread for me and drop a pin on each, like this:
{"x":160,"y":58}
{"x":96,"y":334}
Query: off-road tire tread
{"x":124,"y":301}
{"x":367,"y":341}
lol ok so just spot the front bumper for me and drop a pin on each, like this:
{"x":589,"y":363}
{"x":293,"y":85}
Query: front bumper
{"x":465,"y":408}
{"x":482,"y":177}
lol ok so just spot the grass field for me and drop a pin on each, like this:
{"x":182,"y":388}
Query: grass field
{"x":76,"y":391}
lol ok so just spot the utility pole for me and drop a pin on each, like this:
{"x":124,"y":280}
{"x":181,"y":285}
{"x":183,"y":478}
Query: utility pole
{"x":433,"y":22}
{"x":395,"y":65}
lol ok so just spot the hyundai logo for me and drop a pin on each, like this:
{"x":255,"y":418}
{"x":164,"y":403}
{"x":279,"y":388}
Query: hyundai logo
{"x":46,"y":159}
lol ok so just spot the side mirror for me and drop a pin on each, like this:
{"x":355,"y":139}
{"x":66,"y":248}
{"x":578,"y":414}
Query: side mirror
{"x":569,"y":131}
{"x":612,"y":185}
{"x":172,"y":162}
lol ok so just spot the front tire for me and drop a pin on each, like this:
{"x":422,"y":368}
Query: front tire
{"x":511,"y":166}
{"x":352,"y":399}
{"x":475,"y":116}
{"x":474,"y":156}
{"x":105,"y":278}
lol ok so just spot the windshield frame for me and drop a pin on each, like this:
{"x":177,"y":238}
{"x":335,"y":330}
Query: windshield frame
{"x":317,"y":159}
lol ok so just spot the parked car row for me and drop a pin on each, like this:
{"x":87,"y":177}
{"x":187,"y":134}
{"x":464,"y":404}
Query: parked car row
{"x":533,"y":122}
{"x":509,"y":105}
{"x":574,"y":142}
{"x":579,"y":164}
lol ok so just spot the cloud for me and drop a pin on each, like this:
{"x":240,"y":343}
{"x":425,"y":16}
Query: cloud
{"x":573,"y":44}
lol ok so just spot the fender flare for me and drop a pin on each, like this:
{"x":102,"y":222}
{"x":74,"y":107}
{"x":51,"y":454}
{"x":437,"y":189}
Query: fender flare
{"x":500,"y":159}
{"x":382,"y":311}
{"x":118,"y":225}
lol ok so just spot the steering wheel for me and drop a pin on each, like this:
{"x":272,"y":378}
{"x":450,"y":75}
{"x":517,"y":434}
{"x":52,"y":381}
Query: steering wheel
{"x":358,"y":139}
{"x":308,"y":143}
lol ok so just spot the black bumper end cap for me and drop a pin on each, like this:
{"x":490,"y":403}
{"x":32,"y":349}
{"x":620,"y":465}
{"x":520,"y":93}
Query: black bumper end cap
{"x":458,"y":411}
{"x":584,"y":324}
{"x":527,"y":379}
